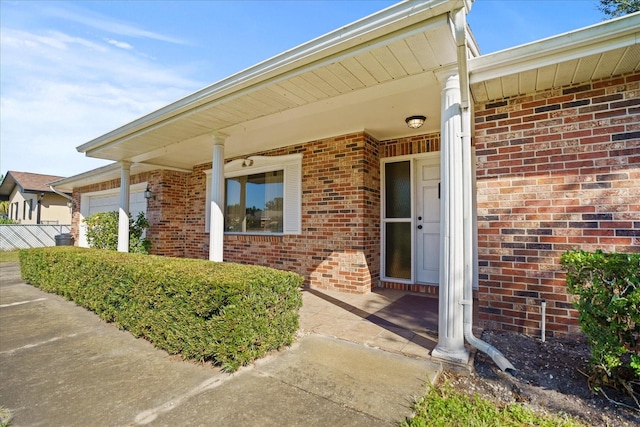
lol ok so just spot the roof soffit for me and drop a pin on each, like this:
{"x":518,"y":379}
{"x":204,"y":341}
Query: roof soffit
{"x":602,"y":50}
{"x":258,"y":92}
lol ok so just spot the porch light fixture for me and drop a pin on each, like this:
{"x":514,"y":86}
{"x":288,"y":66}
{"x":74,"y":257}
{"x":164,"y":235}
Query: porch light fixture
{"x":70,"y":203}
{"x":148,"y":194}
{"x":414,"y":122}
{"x":247,"y":162}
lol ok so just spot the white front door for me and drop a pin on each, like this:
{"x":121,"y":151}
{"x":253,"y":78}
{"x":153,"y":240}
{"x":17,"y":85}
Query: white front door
{"x":427,"y":220}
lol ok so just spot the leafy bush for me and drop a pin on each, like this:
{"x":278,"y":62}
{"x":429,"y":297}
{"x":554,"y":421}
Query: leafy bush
{"x":608,"y":290}
{"x":229,"y":314}
{"x":102,"y":232}
{"x":6,"y":220}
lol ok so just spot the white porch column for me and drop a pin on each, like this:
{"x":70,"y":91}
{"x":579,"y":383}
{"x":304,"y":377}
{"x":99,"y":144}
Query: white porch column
{"x":216,"y":224}
{"x":450,"y":318}
{"x":123,"y":211}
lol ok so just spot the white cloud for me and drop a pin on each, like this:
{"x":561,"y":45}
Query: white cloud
{"x":59,"y":91}
{"x":121,"y":45}
{"x":105,"y":23}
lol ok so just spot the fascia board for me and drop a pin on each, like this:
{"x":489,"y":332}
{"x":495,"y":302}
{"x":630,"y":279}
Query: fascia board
{"x":103,"y":173}
{"x":360,"y":32}
{"x":595,"y":39}
{"x":68,"y":184}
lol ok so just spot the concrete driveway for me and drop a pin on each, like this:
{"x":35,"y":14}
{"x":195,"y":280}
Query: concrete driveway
{"x":60,"y":365}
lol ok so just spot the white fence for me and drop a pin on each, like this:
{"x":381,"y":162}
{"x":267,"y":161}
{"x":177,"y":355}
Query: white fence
{"x":24,"y":236}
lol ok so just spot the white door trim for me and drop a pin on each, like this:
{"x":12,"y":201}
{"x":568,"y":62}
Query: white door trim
{"x":413,"y":159}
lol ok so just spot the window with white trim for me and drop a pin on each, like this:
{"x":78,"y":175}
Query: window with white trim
{"x":263,"y":195}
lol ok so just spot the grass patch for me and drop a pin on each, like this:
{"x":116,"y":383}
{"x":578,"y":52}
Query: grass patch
{"x":446,"y":407}
{"x":5,"y":417}
{"x":9,"y":256}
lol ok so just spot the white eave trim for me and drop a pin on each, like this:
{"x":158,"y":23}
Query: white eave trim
{"x":105,"y":173}
{"x":94,"y":173}
{"x":391,"y":19}
{"x":598,"y":38}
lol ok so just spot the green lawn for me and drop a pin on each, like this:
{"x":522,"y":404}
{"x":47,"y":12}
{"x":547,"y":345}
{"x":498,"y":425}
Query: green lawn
{"x":9,"y":256}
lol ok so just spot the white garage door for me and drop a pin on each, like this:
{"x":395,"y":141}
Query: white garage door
{"x":108,"y":201}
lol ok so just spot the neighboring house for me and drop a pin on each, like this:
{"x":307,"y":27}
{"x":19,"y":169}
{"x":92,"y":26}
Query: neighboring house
{"x":31,"y":200}
{"x":306,"y":162}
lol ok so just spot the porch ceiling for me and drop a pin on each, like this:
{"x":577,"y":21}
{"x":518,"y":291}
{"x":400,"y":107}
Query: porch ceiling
{"x":363,"y":79}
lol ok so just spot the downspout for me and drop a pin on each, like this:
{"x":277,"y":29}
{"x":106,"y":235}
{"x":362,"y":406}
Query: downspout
{"x":39,"y":213}
{"x":460,"y":24}
{"x":60,"y":194}
{"x":63,"y":195}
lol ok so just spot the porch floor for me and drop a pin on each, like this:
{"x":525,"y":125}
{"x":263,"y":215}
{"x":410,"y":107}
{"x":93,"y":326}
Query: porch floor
{"x":396,"y":321}
{"x":392,"y":320}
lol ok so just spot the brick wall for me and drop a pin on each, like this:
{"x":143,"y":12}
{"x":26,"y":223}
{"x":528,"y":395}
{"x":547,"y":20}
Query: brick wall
{"x":339,"y":246}
{"x":169,"y":211}
{"x":556,"y":170}
{"x":411,"y":145}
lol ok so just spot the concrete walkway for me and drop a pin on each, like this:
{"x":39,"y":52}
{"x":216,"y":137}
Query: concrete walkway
{"x":61,"y":365}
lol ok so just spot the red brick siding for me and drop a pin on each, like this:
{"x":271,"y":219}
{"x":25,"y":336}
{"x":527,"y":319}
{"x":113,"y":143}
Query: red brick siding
{"x":556,"y":170}
{"x":339,"y":245}
{"x":168,"y":213}
{"x":418,"y":144}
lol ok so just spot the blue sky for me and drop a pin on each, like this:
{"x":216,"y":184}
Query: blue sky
{"x":71,"y":71}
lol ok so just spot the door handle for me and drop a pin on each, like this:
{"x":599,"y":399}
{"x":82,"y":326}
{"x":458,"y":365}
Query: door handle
{"x":420,"y":227}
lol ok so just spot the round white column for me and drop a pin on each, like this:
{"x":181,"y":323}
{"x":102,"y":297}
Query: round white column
{"x":123,"y":210}
{"x":216,"y":228}
{"x":450,"y":318}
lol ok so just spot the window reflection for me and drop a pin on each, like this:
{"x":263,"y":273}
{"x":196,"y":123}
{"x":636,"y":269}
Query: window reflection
{"x":255,"y":203}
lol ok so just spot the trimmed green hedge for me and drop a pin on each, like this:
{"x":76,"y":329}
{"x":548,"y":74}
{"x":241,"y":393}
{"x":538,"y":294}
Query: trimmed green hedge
{"x":229,"y":314}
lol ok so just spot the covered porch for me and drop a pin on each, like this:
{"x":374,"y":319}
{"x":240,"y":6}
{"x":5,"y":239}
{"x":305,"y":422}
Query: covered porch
{"x":320,"y":114}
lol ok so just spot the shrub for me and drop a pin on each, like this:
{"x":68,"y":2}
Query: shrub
{"x":229,"y":314}
{"x":102,"y":232}
{"x":608,"y":290}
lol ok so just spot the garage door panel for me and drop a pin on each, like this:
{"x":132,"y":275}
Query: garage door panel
{"x":109,"y":203}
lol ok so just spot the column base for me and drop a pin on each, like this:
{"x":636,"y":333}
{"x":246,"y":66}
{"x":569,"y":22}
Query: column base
{"x":457,"y":356}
